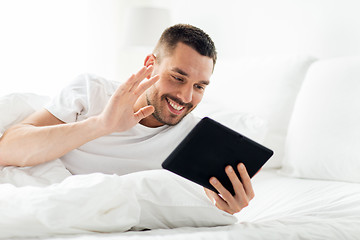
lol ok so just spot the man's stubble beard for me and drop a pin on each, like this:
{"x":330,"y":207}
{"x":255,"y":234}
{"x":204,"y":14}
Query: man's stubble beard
{"x":157,"y":112}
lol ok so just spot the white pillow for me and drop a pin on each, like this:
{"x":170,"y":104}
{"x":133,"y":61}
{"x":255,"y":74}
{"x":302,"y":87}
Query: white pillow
{"x":263,"y":86}
{"x":248,"y":124}
{"x":17,"y":106}
{"x":324,"y":134}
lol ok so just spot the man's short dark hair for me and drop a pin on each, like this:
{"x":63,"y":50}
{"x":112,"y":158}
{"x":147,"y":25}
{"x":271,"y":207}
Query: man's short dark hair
{"x":191,"y":36}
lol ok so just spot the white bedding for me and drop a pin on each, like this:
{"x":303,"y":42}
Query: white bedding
{"x":47,"y":202}
{"x":31,"y":206}
{"x":284,"y":208}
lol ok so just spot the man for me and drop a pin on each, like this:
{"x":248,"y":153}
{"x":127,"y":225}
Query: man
{"x":95,"y":125}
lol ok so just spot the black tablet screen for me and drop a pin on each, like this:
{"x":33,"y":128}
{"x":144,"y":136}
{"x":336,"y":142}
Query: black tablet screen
{"x":209,"y":148}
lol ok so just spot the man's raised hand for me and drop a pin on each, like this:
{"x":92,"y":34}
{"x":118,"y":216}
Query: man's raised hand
{"x":119,"y":114}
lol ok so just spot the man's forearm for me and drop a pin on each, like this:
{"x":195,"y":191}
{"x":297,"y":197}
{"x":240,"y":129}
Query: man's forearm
{"x":41,"y":137}
{"x":27,"y":145}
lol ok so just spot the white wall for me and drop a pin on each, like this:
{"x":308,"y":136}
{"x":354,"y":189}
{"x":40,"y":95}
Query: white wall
{"x":323,"y":28}
{"x":46,"y":43}
{"x":42,"y":44}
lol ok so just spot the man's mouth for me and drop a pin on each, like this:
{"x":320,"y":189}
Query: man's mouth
{"x":174,"y":107}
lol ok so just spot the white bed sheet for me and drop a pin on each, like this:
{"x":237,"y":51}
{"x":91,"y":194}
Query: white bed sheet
{"x":284,"y":208}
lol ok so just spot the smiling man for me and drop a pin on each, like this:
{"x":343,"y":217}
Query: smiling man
{"x":96,"y":125}
{"x":183,"y":79}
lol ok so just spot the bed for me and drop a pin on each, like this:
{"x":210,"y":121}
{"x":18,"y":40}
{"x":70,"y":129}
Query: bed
{"x":284,"y":208}
{"x":305,"y":111}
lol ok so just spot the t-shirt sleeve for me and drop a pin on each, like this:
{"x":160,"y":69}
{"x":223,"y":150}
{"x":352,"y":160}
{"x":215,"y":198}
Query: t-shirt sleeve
{"x":86,"y":96}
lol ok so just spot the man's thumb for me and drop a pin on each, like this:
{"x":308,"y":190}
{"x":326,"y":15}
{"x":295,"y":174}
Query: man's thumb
{"x":144,"y":112}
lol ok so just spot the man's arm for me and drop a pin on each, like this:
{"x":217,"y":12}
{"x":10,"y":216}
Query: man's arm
{"x":42,"y":137}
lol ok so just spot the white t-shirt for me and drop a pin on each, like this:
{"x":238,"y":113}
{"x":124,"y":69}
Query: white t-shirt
{"x":140,"y":148}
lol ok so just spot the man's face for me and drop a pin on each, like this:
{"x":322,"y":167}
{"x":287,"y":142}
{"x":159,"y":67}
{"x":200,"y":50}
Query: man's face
{"x":184,"y":76}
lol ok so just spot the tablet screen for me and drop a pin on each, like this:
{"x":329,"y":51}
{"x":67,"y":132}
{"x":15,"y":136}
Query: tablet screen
{"x":209,"y":148}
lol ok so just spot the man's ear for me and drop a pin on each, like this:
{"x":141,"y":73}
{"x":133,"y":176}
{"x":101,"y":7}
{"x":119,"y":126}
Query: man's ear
{"x":149,"y":60}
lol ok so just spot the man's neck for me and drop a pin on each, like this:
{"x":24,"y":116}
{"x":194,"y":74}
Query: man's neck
{"x":151,"y":122}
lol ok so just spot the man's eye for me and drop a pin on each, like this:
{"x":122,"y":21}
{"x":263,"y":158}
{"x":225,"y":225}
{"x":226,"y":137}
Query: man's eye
{"x":200,"y":87}
{"x":178,"y":79}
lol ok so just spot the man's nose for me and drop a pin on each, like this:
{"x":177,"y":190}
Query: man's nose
{"x":185,"y":93}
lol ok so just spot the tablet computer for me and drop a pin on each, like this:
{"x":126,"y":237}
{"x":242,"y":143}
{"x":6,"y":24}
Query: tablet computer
{"x":209,"y":148}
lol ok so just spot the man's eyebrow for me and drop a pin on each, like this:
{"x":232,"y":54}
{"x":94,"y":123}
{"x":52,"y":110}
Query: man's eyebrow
{"x":178,"y":70}
{"x":205,"y":82}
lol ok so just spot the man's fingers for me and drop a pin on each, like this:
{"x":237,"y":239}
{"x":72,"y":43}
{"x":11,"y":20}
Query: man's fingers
{"x":243,"y":191}
{"x":140,"y":76}
{"x":145,"y":85}
{"x":218,"y":201}
{"x":133,"y":82}
{"x":246,"y":181}
{"x":143,"y":113}
{"x":225,"y":194}
{"x":235,"y":181}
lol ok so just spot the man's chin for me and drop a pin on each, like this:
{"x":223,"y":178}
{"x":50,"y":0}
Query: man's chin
{"x":171,"y":120}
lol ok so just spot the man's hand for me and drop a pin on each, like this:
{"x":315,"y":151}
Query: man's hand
{"x":243,"y":191}
{"x":119,"y":114}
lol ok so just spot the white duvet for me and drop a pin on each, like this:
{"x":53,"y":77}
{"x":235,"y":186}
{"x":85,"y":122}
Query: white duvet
{"x":46,"y":200}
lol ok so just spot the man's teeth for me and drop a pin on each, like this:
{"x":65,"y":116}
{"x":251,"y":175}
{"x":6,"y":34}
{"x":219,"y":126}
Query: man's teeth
{"x":175,"y":106}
